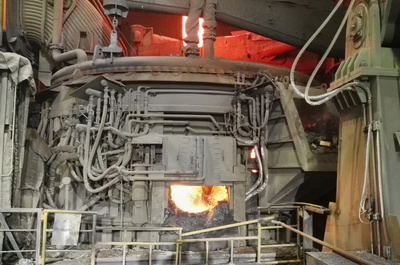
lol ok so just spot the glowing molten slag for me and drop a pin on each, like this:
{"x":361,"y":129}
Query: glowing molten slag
{"x":197,"y":199}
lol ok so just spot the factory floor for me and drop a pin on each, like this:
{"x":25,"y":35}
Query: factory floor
{"x":330,"y":258}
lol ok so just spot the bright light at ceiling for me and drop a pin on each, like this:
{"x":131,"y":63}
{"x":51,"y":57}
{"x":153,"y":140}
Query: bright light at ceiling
{"x":201,"y":31}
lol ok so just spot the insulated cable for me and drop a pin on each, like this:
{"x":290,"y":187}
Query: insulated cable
{"x":260,"y":172}
{"x":364,"y":196}
{"x":342,"y":24}
{"x":326,"y":96}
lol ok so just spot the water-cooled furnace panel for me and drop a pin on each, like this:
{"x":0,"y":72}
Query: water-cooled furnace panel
{"x":212,"y":158}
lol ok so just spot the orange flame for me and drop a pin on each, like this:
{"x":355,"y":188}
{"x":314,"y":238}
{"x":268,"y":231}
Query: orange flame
{"x":197,"y":199}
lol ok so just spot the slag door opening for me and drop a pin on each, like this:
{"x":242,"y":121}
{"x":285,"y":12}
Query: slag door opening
{"x":198,"y":199}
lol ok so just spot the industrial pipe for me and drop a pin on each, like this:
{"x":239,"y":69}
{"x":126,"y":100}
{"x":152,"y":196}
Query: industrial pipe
{"x":99,"y":134}
{"x":337,"y":250}
{"x":187,"y":91}
{"x":237,"y":110}
{"x":265,"y":171}
{"x":253,"y":111}
{"x":186,"y":116}
{"x":195,"y":131}
{"x":91,"y":202}
{"x":121,"y":134}
{"x":127,"y":63}
{"x":111,"y":120}
{"x":58,"y":149}
{"x":266,"y":114}
{"x":86,"y":155}
{"x":74,"y":174}
{"x":260,"y":171}
{"x":3,"y":113}
{"x":380,"y":189}
{"x":78,"y":54}
{"x":61,"y":158}
{"x":209,"y":25}
{"x":119,"y":111}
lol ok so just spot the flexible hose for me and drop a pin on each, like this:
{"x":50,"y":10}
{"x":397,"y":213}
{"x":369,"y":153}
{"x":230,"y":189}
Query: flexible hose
{"x":266,"y":176}
{"x":260,"y":172}
{"x":61,"y":158}
{"x":364,"y":196}
{"x":86,"y":158}
{"x":342,"y":24}
{"x":266,"y":114}
{"x":326,"y":96}
{"x":98,"y":137}
{"x":303,"y":49}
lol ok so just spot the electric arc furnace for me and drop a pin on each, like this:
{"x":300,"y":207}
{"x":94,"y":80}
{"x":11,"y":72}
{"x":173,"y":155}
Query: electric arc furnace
{"x":125,"y":140}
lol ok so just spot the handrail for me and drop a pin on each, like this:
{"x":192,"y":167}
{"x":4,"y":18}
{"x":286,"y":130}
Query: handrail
{"x":150,"y":229}
{"x":335,"y":249}
{"x":227,"y":226}
{"x":45,"y":230}
{"x":10,"y":231}
{"x":124,"y":249}
{"x":149,"y":244}
{"x":258,"y":238}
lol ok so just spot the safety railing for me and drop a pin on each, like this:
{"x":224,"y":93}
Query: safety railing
{"x":182,"y":238}
{"x":46,"y":231}
{"x":257,"y":238}
{"x":280,"y":208}
{"x":304,"y":211}
{"x":150,"y":245}
{"x":10,"y":232}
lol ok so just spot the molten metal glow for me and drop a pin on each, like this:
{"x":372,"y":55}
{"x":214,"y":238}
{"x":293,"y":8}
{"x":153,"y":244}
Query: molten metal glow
{"x":254,"y":171}
{"x":197,"y":199}
{"x":253,"y":154}
{"x":200,"y":34}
